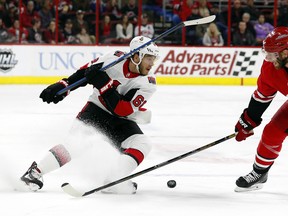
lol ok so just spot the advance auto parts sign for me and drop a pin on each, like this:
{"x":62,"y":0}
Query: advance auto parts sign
{"x":7,"y":60}
{"x":211,"y":62}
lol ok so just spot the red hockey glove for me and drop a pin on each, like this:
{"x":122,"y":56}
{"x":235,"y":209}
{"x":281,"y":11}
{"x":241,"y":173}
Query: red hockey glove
{"x":49,"y":94}
{"x":99,"y":79}
{"x":245,"y":126}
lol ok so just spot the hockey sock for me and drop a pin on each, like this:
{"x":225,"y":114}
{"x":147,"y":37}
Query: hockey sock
{"x":55,"y":158}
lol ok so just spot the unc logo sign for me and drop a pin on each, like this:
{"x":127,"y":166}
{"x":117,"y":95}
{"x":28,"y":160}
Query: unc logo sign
{"x":7,"y":60}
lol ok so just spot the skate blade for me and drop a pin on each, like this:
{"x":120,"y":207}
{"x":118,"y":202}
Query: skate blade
{"x":117,"y":191}
{"x":20,"y":186}
{"x":252,"y":188}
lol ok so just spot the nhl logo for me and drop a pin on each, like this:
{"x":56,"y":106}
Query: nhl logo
{"x":7,"y":60}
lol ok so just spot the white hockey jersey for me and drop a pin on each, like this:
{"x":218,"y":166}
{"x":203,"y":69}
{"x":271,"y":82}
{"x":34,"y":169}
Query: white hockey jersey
{"x":142,"y":88}
{"x":145,"y":30}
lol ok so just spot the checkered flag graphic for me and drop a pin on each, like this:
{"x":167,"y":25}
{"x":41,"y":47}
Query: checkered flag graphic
{"x":245,"y":62}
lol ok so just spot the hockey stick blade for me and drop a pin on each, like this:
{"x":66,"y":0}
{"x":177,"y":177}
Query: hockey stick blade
{"x":200,"y":21}
{"x":67,"y":188}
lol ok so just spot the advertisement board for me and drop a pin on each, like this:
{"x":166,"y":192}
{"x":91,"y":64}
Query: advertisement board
{"x":39,"y":64}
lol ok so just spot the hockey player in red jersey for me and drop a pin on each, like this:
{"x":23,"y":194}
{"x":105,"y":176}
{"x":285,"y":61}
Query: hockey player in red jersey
{"x":273,"y":78}
{"x":114,"y":108}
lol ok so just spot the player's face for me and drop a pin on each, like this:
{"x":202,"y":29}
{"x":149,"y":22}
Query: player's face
{"x":270,"y":57}
{"x":146,"y":64}
{"x":282,"y":60}
{"x":283,"y":56}
{"x":279,"y":60}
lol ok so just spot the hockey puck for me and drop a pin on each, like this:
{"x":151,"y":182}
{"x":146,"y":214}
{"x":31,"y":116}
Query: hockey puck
{"x":171,"y":183}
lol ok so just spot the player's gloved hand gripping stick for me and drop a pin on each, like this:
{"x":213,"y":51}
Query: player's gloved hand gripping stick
{"x":132,"y":52}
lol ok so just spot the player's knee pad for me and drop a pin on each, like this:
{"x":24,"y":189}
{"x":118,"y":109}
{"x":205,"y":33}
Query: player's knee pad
{"x":137,"y":146}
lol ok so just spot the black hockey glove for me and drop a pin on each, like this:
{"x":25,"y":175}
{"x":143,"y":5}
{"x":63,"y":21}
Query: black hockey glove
{"x":98,"y":78}
{"x":49,"y":94}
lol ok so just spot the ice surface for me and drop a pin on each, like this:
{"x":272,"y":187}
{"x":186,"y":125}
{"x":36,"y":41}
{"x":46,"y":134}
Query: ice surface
{"x":183,"y":119}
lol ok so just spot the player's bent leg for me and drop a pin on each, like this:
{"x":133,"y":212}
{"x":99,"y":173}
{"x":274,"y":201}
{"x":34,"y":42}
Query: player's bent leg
{"x":268,"y":150}
{"x":125,"y":165}
{"x":135,"y":149}
{"x":56,"y":157}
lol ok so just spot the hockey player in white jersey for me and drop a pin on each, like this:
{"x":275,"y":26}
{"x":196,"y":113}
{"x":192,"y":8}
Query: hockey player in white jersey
{"x":114,"y":108}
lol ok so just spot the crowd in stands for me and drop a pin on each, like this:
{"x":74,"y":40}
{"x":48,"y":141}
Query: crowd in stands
{"x":74,"y":22}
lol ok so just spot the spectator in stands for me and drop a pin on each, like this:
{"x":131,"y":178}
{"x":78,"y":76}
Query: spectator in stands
{"x":212,"y":36}
{"x":146,"y":29}
{"x":272,"y":16}
{"x":49,"y":35}
{"x":215,"y":10}
{"x":69,"y":35}
{"x":64,"y":12}
{"x":283,"y":13}
{"x":181,"y":10}
{"x":201,"y":29}
{"x":35,"y":33}
{"x":37,"y":5}
{"x":82,"y":5}
{"x":29,"y":14}
{"x":131,"y":10}
{"x":107,"y":30}
{"x":2,"y":9}
{"x":5,"y":36}
{"x":249,"y":24}
{"x":191,"y":34}
{"x":155,"y":7}
{"x":251,"y":9}
{"x":19,"y":34}
{"x":204,"y":7}
{"x":236,"y":15}
{"x":46,"y":14}
{"x":79,"y":22}
{"x":112,"y":9}
{"x":262,"y":29}
{"x":84,"y":37}
{"x":93,"y":4}
{"x":124,"y":30}
{"x":10,"y":15}
{"x":220,"y":22}
{"x":242,"y":36}
{"x":65,"y":5}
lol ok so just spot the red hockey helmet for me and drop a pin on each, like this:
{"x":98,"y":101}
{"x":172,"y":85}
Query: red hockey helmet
{"x":277,"y":40}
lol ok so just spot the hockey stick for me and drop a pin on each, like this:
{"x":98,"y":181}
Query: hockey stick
{"x":67,"y":188}
{"x":132,"y":52}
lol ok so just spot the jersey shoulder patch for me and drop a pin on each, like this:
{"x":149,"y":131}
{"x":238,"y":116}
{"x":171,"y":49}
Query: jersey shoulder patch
{"x":152,"y":80}
{"x":119,"y":53}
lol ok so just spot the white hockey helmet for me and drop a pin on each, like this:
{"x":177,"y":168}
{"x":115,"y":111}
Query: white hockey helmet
{"x":151,"y":49}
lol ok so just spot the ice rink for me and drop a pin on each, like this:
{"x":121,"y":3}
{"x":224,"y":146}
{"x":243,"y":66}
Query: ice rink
{"x":184,"y":118}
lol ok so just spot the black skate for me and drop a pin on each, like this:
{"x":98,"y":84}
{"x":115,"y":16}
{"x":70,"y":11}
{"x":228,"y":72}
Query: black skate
{"x":33,"y":178}
{"x":250,"y":182}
